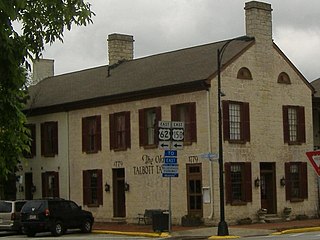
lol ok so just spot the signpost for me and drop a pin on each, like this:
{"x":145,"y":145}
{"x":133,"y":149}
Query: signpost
{"x":171,"y":136}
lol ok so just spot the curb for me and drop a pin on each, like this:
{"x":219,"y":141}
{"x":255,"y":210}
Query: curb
{"x":224,"y":237}
{"x":138,"y":234}
{"x":297,"y":230}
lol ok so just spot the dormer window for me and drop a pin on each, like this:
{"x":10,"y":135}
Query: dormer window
{"x":244,"y":73}
{"x":284,"y":78}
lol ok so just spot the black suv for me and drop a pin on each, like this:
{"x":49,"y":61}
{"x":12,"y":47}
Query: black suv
{"x":55,"y":216}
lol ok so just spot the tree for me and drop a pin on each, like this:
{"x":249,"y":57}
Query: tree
{"x":40,"y":22}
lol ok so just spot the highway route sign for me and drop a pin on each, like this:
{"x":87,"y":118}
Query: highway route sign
{"x":171,"y":135}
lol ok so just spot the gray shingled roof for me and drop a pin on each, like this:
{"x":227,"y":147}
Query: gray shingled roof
{"x":316,"y":85}
{"x":161,"y":70}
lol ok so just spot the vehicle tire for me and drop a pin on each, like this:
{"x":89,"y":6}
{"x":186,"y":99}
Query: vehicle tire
{"x":86,"y":226}
{"x":30,"y":233}
{"x":57,"y":229}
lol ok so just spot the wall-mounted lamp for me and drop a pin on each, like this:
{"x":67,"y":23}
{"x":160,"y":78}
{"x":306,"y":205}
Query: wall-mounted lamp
{"x":107,"y":187}
{"x":126,"y":187}
{"x":257,"y":182}
{"x":33,"y":188}
{"x":282,"y":182}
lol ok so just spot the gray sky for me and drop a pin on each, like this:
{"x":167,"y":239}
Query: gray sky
{"x":165,"y":25}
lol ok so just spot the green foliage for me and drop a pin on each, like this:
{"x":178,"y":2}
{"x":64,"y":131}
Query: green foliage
{"x":42,"y":22}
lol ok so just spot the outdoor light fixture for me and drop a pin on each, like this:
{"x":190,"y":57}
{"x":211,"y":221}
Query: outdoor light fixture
{"x":257,"y":182}
{"x":107,"y":187}
{"x":126,"y":187}
{"x":282,"y":182}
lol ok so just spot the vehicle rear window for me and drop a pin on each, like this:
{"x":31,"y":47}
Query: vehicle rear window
{"x":36,"y":205}
{"x":5,"y":207}
{"x":19,"y":205}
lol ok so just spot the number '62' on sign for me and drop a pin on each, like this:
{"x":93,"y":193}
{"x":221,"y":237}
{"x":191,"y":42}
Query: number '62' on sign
{"x":164,"y":134}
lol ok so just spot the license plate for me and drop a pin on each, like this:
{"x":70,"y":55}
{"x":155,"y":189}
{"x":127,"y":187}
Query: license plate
{"x":33,"y":217}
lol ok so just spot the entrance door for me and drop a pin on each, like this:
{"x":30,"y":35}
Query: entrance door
{"x":119,"y":196}
{"x":28,"y":186}
{"x":268,"y":187}
{"x":194,"y":189}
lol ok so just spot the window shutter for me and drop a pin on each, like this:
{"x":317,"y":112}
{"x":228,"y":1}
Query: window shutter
{"x":99,"y":187}
{"x":248,"y":182}
{"x":142,"y":128}
{"x":301,"y":125}
{"x":112,"y":131}
{"x":84,"y":134}
{"x":227,"y":170}
{"x":55,"y":137}
{"x":158,"y":118}
{"x":193,"y":121}
{"x":128,"y":130}
{"x":43,"y":140}
{"x":304,"y":180}
{"x":285,"y":124}
{"x":288,"y":181}
{"x":98,"y":133}
{"x":44,"y":184}
{"x":33,"y":150}
{"x":225,"y":120}
{"x":245,"y":119}
{"x":86,"y":181}
{"x":174,"y":116}
{"x":56,"y":187}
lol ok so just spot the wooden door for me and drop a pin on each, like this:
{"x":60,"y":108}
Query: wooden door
{"x":268,"y":187}
{"x":119,"y":197}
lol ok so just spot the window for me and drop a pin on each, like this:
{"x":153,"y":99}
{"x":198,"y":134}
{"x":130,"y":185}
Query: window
{"x":244,"y":73}
{"x":236,"y":123}
{"x":284,"y":78}
{"x":148,"y":125}
{"x":49,"y":139}
{"x":186,"y":112}
{"x":294,"y":124}
{"x":119,"y":124}
{"x":296,"y":181}
{"x":92,"y":187}
{"x":50,"y":184}
{"x":238,"y":183}
{"x":91,"y":134}
{"x":32,"y":153}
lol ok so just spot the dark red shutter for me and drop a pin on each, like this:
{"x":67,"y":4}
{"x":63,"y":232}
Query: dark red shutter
{"x":84,"y":134}
{"x":86,"y":181}
{"x":227,"y":172}
{"x":34,"y":142}
{"x":285,"y":124}
{"x":174,"y":116}
{"x":301,"y":125}
{"x":225,"y":117}
{"x":245,"y":120}
{"x":288,"y":181}
{"x":156,"y":129}
{"x":44,"y":186}
{"x":98,"y":133}
{"x":128,"y":130}
{"x":55,"y":138}
{"x":43,"y":139}
{"x":304,"y":180}
{"x":56,"y":192}
{"x":142,"y":128}
{"x":193,"y":122}
{"x":99,"y":187}
{"x":112,"y":131}
{"x":248,"y":182}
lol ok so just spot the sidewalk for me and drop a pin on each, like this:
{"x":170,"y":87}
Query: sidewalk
{"x":257,"y":229}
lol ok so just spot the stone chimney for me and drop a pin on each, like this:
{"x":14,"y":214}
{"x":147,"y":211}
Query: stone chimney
{"x":120,"y":47}
{"x":42,"y":69}
{"x":259,"y":21}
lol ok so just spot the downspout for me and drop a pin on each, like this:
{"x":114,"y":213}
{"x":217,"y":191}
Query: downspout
{"x":68,"y":156}
{"x":210,"y":151}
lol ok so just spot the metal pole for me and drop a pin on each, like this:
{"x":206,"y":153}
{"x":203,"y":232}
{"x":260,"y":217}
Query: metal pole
{"x":222,"y":226}
{"x":169,"y":223}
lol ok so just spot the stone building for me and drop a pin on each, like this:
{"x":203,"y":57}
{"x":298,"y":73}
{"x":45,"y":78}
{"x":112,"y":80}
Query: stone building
{"x":96,"y":130}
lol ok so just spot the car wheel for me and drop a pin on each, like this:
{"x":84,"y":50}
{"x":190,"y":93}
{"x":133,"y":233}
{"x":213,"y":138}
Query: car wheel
{"x":57,"y":229}
{"x":30,"y":233}
{"x":86,"y":226}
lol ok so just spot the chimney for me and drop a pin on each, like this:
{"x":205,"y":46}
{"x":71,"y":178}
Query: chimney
{"x":42,"y":68}
{"x":120,"y":47}
{"x":259,"y":21}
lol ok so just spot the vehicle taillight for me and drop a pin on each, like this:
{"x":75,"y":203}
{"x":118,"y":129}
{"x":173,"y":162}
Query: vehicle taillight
{"x":47,"y":212}
{"x":13,"y":216}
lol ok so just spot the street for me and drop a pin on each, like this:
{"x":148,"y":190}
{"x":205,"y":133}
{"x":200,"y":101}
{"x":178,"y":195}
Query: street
{"x":292,"y":236}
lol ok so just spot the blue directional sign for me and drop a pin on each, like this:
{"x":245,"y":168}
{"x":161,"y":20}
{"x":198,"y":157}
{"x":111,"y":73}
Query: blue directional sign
{"x":170,"y":160}
{"x":170,"y":153}
{"x":170,"y":174}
